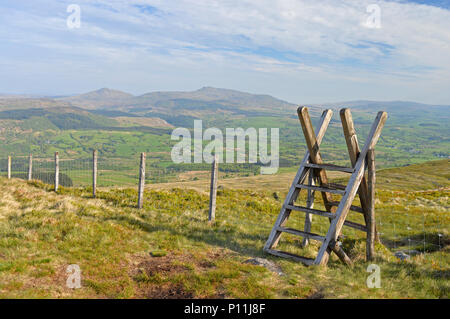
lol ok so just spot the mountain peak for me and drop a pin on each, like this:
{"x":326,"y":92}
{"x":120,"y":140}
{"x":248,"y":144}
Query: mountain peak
{"x":101,"y":94}
{"x":107,"y":93}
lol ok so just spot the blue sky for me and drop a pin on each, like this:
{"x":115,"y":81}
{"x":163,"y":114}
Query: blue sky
{"x":303,"y":51}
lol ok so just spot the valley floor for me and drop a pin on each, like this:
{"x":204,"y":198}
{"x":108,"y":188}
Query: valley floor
{"x":42,"y":233}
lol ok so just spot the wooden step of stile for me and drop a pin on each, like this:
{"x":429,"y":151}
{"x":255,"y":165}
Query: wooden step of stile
{"x":301,"y":233}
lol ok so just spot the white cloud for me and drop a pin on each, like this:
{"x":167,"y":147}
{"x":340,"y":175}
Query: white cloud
{"x":288,"y":39}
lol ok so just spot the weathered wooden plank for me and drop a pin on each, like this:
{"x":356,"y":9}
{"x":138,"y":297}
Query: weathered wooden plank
{"x":314,"y":153}
{"x":331,"y":167}
{"x":354,"y":151}
{"x":322,"y":189}
{"x":308,"y":235}
{"x":213,"y":188}
{"x":94,"y":173}
{"x":353,"y":208}
{"x":342,"y":255}
{"x":141,"y":182}
{"x":56,"y":171}
{"x":355,"y":226}
{"x":352,"y":188}
{"x":30,"y":167}
{"x":335,"y":185}
{"x":309,"y":205}
{"x":370,"y":242}
{"x":311,"y":211}
{"x":292,"y":195}
{"x":306,"y":261}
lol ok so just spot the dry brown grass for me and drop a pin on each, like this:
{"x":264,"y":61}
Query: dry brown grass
{"x":275,"y":183}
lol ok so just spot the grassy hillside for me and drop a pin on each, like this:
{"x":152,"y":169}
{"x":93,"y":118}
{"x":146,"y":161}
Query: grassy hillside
{"x":41,"y":233}
{"x":120,"y":126}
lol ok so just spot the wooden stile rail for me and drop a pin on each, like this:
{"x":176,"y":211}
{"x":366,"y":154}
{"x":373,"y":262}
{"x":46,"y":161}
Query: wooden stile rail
{"x":371,"y":231}
{"x":336,"y":211}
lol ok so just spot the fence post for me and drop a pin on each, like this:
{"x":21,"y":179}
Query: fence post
{"x":213,"y":189}
{"x":370,"y":249}
{"x":30,"y":168}
{"x":141,"y":182}
{"x":94,"y":173}
{"x":56,"y":171}
{"x":9,"y":167}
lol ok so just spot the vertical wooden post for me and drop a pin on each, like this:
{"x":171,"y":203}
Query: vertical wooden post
{"x":94,"y":173}
{"x":56,"y":171}
{"x":370,"y":249}
{"x":30,"y":167}
{"x":141,"y":182}
{"x":309,"y":204}
{"x":213,"y":188}
{"x":9,"y":167}
{"x":354,"y":151}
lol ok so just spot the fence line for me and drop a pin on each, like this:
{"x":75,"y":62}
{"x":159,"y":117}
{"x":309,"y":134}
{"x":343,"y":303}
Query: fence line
{"x":109,"y":171}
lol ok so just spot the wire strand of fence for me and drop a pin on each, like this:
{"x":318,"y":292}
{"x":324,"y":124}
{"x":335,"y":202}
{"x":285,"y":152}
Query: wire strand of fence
{"x":414,"y":232}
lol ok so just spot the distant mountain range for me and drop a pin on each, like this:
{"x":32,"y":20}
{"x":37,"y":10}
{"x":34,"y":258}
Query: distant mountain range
{"x":116,"y":121}
{"x":200,"y":103}
{"x":205,"y":100}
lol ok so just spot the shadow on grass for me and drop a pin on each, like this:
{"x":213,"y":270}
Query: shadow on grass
{"x":240,"y":241}
{"x":425,"y":242}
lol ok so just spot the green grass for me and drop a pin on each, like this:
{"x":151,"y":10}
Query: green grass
{"x":41,"y":233}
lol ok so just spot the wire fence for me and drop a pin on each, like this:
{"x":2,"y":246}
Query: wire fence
{"x":409,"y":233}
{"x":78,"y":172}
{"x":414,"y":233}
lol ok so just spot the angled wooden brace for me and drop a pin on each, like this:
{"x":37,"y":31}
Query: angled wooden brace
{"x":354,"y":151}
{"x":350,"y":191}
{"x":314,"y":154}
{"x":292,"y":195}
{"x":320,"y":175}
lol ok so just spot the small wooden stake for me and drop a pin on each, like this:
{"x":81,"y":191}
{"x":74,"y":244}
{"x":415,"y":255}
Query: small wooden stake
{"x":141,"y":182}
{"x":213,"y":189}
{"x":94,"y":173}
{"x":56,"y":171}
{"x":9,"y":167}
{"x":370,"y":249}
{"x":30,"y":168}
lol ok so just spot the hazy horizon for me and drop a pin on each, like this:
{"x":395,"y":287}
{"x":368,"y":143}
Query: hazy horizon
{"x":297,"y":51}
{"x":50,"y":96}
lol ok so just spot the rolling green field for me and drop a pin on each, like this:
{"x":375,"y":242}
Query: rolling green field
{"x":405,"y":140}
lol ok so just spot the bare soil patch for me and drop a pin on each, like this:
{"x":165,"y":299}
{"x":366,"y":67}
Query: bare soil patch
{"x":147,"y":268}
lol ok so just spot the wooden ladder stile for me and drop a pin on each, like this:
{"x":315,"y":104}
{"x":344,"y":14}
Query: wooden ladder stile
{"x":293,"y":193}
{"x":313,"y":167}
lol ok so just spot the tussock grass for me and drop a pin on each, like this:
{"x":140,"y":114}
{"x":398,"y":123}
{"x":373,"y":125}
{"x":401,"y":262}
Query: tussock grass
{"x":42,"y":232}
